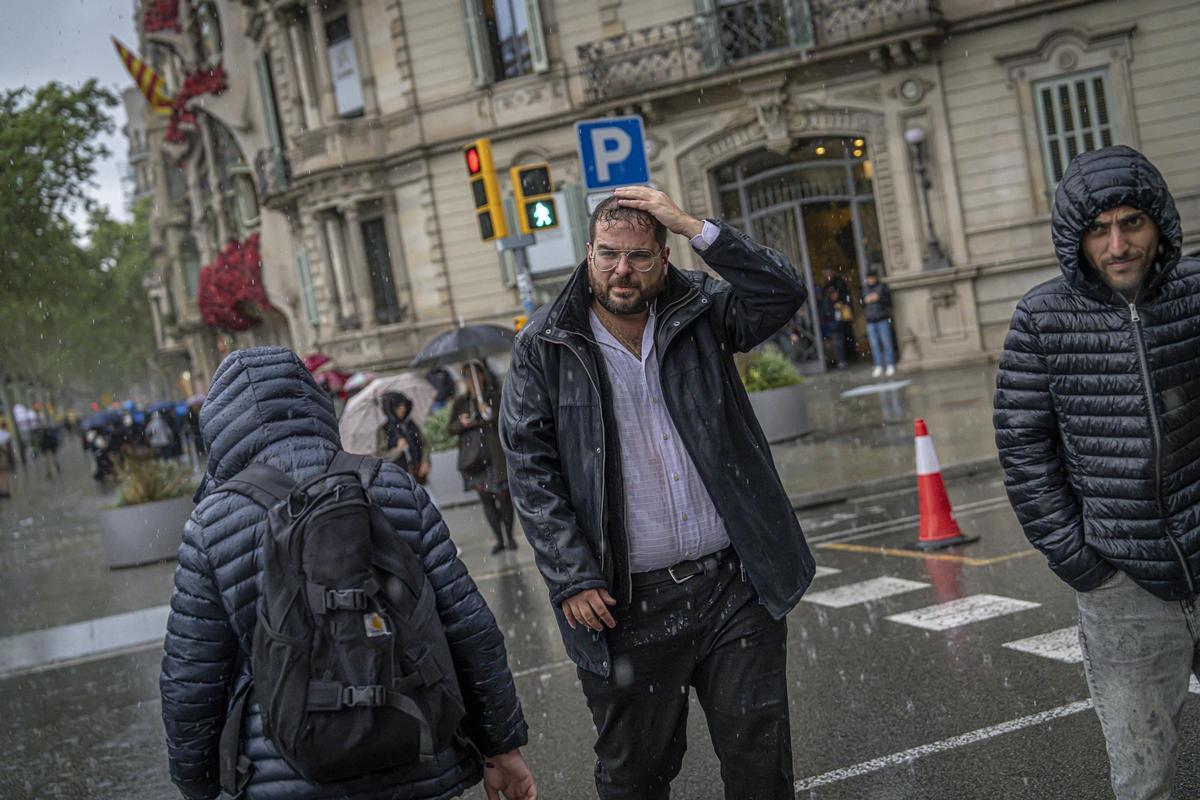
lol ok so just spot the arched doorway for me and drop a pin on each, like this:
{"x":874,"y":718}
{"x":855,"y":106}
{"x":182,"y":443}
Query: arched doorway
{"x":814,"y":204}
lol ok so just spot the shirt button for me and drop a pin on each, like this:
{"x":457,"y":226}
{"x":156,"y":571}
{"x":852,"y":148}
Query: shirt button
{"x":685,"y":517}
{"x":666,"y":436}
{"x":675,"y":476}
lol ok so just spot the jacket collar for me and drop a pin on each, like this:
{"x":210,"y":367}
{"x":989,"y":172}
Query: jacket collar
{"x":569,"y":311}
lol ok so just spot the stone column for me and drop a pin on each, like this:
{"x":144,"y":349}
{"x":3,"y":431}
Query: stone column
{"x":316,"y":22}
{"x":357,"y":256}
{"x":347,"y":307}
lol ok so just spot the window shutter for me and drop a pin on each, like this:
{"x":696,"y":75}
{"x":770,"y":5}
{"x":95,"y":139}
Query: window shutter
{"x":712,"y":57}
{"x":266,"y":92}
{"x":307,"y":297}
{"x":477,"y":44}
{"x":798,"y":14}
{"x":537,"y":36}
{"x":1073,"y":117}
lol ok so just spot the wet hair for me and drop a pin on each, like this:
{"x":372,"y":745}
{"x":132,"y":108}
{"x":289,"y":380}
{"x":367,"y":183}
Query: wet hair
{"x":873,"y":274}
{"x":392,"y":400}
{"x":612,"y":212}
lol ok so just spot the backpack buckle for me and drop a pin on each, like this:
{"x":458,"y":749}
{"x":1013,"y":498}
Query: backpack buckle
{"x":345,"y":599}
{"x":355,"y":696}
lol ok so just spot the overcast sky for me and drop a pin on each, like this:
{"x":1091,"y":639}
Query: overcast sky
{"x":69,"y":41}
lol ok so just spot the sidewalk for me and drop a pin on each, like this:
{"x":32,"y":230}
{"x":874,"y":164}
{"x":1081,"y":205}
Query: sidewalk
{"x":864,"y":441}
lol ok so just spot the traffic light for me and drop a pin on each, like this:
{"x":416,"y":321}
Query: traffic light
{"x":533,"y":191}
{"x":489,"y":208}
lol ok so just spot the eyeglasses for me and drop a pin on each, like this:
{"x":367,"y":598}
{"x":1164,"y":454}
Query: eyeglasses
{"x":639,"y":260}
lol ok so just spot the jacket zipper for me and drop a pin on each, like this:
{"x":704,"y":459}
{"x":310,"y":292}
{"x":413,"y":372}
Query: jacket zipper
{"x":1156,"y":440}
{"x":603,"y":451}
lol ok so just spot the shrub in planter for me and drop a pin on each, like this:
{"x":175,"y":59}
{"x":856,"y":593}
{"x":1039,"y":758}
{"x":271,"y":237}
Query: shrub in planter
{"x":145,"y":480}
{"x":438,"y":438}
{"x":770,"y":369}
{"x":153,"y":503}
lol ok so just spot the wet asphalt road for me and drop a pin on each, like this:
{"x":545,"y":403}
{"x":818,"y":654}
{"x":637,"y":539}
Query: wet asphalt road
{"x":880,"y":708}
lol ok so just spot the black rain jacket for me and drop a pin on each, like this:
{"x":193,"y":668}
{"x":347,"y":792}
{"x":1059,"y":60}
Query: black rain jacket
{"x":1097,"y":407}
{"x":263,"y":407}
{"x":563,"y":454}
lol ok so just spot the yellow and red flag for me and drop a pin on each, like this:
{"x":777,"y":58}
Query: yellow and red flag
{"x":149,"y":82}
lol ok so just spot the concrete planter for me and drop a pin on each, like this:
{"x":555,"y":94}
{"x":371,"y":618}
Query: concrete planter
{"x":782,"y":413}
{"x":444,"y":481}
{"x":145,"y":533}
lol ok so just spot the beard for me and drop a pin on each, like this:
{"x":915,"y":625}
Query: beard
{"x":636,"y":304}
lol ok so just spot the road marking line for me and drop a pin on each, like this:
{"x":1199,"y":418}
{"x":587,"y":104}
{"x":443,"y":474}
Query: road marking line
{"x":900,"y":552}
{"x":903,"y":523}
{"x":553,"y":665}
{"x":82,"y":640}
{"x":863,"y":592}
{"x":1060,"y":645}
{"x":824,"y":572}
{"x":963,"y":611}
{"x":906,"y":757}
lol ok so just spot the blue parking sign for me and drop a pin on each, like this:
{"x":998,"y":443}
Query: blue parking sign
{"x":613,"y":152}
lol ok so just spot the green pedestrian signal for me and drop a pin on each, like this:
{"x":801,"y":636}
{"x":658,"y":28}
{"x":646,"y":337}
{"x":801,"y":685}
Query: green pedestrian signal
{"x":541,"y":214}
{"x":533,"y":191}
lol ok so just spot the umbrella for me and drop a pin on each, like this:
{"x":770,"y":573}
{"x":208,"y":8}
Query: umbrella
{"x":195,"y":400}
{"x":363,"y":416}
{"x":463,"y":344}
{"x":359,"y":381}
{"x":314,"y":361}
{"x":331,"y":379}
{"x":102,"y":419}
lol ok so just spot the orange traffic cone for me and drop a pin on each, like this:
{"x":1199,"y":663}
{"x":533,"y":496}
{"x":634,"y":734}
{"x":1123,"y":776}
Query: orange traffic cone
{"x":938,"y":527}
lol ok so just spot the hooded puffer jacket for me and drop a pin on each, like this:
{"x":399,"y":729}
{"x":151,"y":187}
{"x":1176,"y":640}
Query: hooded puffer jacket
{"x":1097,"y":407}
{"x":263,"y":407}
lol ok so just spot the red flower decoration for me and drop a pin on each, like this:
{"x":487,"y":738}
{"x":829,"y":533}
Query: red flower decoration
{"x":161,"y":15}
{"x":204,"y":81}
{"x":230,"y":291}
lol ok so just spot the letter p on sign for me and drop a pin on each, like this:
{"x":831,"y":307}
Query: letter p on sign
{"x":612,"y":151}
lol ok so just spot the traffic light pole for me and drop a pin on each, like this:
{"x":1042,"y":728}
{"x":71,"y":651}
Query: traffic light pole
{"x":517,"y":244}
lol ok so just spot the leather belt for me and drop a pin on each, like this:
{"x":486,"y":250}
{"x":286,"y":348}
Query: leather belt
{"x":684,"y":570}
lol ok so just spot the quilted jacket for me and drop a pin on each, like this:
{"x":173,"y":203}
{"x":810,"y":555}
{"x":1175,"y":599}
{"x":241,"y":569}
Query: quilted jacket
{"x":1097,"y":407}
{"x":264,"y":407}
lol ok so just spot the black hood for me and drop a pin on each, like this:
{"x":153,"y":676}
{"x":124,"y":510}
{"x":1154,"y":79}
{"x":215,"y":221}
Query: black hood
{"x":263,"y":406}
{"x":1101,"y":180}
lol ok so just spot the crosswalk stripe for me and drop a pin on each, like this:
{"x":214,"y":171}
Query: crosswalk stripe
{"x":863,"y":592}
{"x":962,"y":611}
{"x":1060,"y":645}
{"x":82,"y":639}
{"x":825,"y":572}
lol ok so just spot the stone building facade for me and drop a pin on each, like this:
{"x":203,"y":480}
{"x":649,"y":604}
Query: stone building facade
{"x":795,"y":119}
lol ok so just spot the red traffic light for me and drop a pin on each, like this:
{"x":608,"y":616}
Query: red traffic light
{"x":474,"y":164}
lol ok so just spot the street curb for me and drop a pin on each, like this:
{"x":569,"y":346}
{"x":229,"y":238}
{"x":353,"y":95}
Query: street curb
{"x":842,"y":494}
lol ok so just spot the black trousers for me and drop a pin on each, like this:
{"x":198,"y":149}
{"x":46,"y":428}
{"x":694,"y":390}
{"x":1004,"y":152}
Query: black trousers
{"x":711,"y":633}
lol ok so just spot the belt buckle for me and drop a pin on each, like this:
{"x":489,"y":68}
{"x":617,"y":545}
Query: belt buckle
{"x":671,"y":572}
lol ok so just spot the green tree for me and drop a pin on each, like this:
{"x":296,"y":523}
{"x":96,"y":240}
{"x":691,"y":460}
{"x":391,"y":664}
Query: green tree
{"x":75,"y":315}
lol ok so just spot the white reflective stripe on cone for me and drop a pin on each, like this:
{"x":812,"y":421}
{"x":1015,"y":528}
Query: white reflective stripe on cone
{"x":927,"y":462}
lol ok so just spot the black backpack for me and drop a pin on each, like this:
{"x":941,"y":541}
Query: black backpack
{"x":350,"y":665}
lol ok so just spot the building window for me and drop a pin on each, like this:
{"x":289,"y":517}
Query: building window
{"x":343,"y":67}
{"x":379,"y":266}
{"x":308,"y":297}
{"x":209,"y":24}
{"x":1073,"y":117}
{"x":505,"y":39}
{"x":190,"y":259}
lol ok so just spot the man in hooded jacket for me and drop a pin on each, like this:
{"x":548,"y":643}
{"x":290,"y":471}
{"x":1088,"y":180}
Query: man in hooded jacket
{"x":263,"y":407}
{"x":1097,"y":415}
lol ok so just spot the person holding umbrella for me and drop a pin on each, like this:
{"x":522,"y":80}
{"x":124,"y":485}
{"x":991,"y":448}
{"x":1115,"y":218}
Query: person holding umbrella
{"x":473,"y":418}
{"x":399,"y":439}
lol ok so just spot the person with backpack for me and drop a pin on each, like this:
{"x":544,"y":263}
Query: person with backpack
{"x":399,"y":438}
{"x":324,"y":640}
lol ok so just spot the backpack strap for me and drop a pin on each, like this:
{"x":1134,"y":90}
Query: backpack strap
{"x":262,"y":483}
{"x":366,"y":467}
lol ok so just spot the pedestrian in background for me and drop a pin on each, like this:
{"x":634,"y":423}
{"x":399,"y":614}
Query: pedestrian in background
{"x":1097,"y":402}
{"x":877,"y":310}
{"x":647,"y":490}
{"x":474,"y":419}
{"x":400,"y":440}
{"x":8,"y":459}
{"x":832,"y":330}
{"x":48,"y":442}
{"x":160,"y":436}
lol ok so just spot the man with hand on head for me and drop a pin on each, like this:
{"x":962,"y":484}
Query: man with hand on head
{"x":648,"y":492}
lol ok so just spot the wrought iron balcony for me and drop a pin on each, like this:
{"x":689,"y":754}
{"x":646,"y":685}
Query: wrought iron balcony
{"x":706,"y":43}
{"x":272,"y":173}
